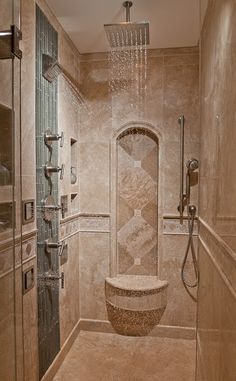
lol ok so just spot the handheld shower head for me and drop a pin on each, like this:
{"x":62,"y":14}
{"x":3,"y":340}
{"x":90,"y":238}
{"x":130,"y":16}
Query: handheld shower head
{"x":192,"y":165}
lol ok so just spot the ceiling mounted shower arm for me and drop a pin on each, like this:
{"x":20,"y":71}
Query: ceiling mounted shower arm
{"x":127,"y":5}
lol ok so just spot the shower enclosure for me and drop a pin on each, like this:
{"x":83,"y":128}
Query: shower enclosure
{"x":11,"y":317}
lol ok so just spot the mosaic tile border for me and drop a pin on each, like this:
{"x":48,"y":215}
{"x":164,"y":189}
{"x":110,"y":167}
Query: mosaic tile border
{"x":97,"y":223}
{"x":172,"y":226}
{"x":102,"y":223}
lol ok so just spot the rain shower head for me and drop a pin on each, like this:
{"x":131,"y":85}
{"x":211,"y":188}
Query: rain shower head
{"x":51,"y":68}
{"x":127,"y":34}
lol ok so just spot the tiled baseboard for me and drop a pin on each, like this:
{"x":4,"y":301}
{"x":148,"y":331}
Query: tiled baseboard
{"x":159,"y":331}
{"x":52,"y":370}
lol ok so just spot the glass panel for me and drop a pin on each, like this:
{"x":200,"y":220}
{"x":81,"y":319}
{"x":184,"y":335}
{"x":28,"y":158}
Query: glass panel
{"x":10,"y":196}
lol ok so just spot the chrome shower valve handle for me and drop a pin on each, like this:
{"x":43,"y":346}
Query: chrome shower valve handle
{"x":54,"y":245}
{"x":49,"y":137}
{"x":49,"y":169}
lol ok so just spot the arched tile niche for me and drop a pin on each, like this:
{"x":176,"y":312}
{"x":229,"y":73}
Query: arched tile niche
{"x":137,"y":159}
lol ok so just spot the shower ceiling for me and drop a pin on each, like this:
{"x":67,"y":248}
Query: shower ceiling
{"x":173,"y":23}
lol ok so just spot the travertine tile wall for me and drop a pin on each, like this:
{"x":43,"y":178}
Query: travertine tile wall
{"x":216,"y":334}
{"x":172,"y":90}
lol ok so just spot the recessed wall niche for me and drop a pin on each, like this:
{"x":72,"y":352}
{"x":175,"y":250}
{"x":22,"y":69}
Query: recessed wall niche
{"x":5,"y":146}
{"x":73,"y":169}
{"x":137,"y":202}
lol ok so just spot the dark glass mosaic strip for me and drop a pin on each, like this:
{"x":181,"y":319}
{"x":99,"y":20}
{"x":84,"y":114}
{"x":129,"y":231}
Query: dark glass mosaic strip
{"x":46,"y":118}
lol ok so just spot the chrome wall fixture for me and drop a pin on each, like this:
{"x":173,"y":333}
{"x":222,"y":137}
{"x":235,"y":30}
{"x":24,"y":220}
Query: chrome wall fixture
{"x":49,"y":138}
{"x":49,"y":169}
{"x":49,"y":245}
{"x":191,"y":165}
{"x":184,"y":201}
{"x":51,"y":69}
{"x":48,"y":205}
{"x":127,"y":33}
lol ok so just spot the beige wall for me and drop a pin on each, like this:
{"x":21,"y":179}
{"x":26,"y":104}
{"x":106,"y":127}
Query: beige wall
{"x":217,"y":292}
{"x":172,"y":89}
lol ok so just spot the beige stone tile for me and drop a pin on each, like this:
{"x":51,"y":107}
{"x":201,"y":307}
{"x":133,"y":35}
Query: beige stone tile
{"x":181,"y":96}
{"x":216,"y":333}
{"x":30,"y":317}
{"x":180,"y":310}
{"x":70,"y":295}
{"x":217,"y":328}
{"x":94,"y":177}
{"x":94,"y":268}
{"x":10,"y":318}
{"x":100,"y":357}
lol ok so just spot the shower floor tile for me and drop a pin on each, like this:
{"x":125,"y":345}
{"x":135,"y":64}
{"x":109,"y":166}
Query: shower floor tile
{"x":98,"y":356}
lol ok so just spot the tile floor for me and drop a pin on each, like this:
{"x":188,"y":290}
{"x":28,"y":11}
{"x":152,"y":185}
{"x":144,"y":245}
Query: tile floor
{"x":97,"y":356}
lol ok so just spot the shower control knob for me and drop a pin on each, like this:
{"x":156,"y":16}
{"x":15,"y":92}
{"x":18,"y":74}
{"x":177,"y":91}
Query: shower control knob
{"x":49,"y":137}
{"x":49,"y":169}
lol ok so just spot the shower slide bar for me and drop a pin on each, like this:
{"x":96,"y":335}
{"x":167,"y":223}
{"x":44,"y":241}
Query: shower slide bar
{"x":182,"y":195}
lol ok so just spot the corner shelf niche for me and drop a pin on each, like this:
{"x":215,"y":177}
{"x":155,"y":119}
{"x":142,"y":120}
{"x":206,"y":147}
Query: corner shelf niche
{"x":74,"y":202}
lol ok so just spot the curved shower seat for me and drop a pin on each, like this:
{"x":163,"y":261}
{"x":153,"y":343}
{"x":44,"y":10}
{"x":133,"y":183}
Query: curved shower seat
{"x":135,"y":303}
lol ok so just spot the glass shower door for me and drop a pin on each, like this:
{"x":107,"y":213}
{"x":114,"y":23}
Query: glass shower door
{"x":11,"y":338}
